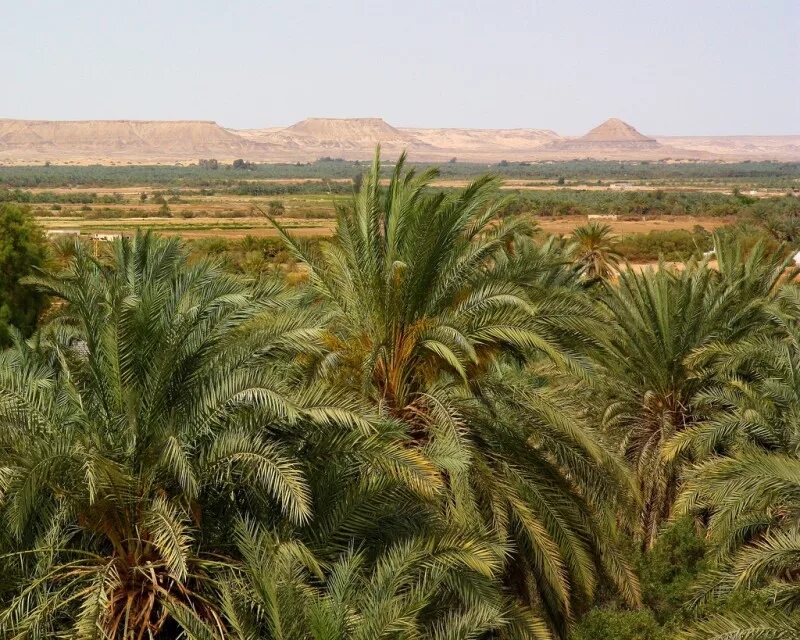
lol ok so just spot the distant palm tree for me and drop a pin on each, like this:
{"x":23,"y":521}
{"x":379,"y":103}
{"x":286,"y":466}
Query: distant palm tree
{"x":595,"y":255}
{"x":431,"y":313}
{"x":150,"y":414}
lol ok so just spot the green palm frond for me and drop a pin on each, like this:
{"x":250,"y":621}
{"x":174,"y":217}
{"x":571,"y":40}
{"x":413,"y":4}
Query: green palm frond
{"x":674,"y":332}
{"x":163,"y":399}
{"x":595,"y":255}
{"x":432,"y":299}
{"x":745,"y":626}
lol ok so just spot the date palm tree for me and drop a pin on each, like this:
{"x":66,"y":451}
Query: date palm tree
{"x":746,"y":487}
{"x":659,"y":319}
{"x":433,"y":317}
{"x":754,"y":405}
{"x":595,"y":255}
{"x":752,"y":399}
{"x":670,"y":332}
{"x":154,"y":411}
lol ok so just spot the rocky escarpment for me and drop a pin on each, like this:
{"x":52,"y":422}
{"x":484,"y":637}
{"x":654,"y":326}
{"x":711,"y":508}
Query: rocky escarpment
{"x":153,"y":141}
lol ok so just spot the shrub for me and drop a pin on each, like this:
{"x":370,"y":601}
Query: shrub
{"x":22,"y":249}
{"x":669,"y":570}
{"x":209,"y":246}
{"x":678,"y":244}
{"x":276,"y":208}
{"x":614,"y":624}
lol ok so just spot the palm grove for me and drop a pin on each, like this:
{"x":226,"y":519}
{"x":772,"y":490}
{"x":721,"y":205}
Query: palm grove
{"x":454,"y":429}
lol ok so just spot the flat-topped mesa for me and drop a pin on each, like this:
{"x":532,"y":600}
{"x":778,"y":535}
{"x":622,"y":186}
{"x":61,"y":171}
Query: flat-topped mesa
{"x":355,"y":139}
{"x":615,"y":130}
{"x":182,"y":137}
{"x":347,"y":129}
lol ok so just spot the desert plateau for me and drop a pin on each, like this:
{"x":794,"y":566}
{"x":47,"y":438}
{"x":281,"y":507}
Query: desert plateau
{"x":143,"y":142}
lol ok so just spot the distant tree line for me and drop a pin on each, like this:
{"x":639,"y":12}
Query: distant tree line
{"x":208,"y":172}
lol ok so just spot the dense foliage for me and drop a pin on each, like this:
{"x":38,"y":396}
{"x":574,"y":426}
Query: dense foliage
{"x":22,"y":249}
{"x":636,"y":205}
{"x":450,"y":427}
{"x":211,"y":172}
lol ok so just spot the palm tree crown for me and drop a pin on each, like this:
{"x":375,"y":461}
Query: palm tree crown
{"x":596,"y":257}
{"x":435,"y":313}
{"x":145,"y":404}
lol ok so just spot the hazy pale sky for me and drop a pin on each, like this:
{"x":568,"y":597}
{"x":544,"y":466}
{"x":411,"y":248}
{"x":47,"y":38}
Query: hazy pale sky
{"x":667,"y":67}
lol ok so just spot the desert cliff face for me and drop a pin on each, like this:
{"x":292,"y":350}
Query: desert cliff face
{"x":25,"y":141}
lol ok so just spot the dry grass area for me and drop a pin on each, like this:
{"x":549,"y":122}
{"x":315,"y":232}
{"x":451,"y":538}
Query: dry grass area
{"x":195,"y":227}
{"x":567,"y":224}
{"x":319,"y":227}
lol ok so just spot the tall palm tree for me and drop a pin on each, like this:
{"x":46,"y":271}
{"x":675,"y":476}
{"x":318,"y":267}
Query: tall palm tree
{"x":752,"y":399}
{"x":756,"y":273}
{"x":134,"y":430}
{"x":429,"y":317}
{"x":407,"y":284}
{"x":659,"y":319}
{"x":663,"y":322}
{"x":595,"y":255}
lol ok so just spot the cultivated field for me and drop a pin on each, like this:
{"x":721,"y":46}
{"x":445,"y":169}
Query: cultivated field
{"x":653,"y":209}
{"x":321,"y":227}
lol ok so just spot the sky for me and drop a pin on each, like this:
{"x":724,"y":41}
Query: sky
{"x":689,"y":67}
